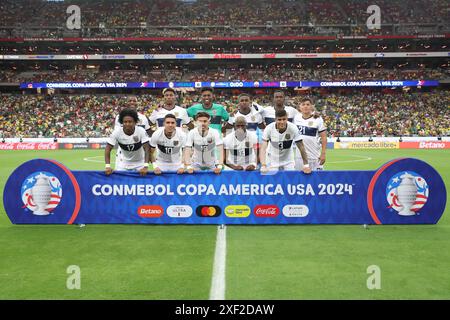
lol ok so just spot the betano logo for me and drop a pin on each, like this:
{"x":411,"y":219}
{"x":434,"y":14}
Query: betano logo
{"x":208,"y":211}
{"x":150,"y":211}
{"x":266,"y":211}
{"x":238,"y":211}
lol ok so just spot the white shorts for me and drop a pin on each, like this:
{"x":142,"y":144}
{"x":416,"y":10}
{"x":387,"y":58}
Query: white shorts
{"x":313,"y":164}
{"x":167,"y":166}
{"x":290,"y":166}
{"x":202,"y":166}
{"x":128,"y":167}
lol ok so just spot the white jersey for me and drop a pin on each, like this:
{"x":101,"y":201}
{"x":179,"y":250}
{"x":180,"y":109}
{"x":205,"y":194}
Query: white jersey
{"x":204,"y":146}
{"x":157,"y":116}
{"x":169,"y":150}
{"x":268,"y":114}
{"x":280,"y":151}
{"x":309,"y":130}
{"x":142,"y":122}
{"x":241,"y":153}
{"x":253,"y":119}
{"x":131,"y":152}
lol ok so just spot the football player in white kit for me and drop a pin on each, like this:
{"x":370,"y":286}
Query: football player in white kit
{"x":241,"y":146}
{"x":142,"y":122}
{"x":268,"y":113}
{"x":277,"y":152}
{"x":168,"y":106}
{"x":314,"y":134}
{"x":202,"y":141}
{"x":142,"y":119}
{"x":169,"y":142}
{"x":133,"y":145}
{"x":253,"y":117}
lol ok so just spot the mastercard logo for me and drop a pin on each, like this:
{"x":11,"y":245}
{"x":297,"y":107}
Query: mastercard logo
{"x":208,"y":211}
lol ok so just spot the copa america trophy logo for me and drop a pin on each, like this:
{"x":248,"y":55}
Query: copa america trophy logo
{"x":41,"y":193}
{"x":407,"y":192}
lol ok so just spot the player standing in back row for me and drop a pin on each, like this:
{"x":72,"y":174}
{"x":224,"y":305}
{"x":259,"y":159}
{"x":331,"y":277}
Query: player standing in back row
{"x":268,"y":113}
{"x":169,"y":107}
{"x":218,"y":114}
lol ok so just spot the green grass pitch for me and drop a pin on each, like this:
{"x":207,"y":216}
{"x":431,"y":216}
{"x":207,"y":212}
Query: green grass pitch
{"x":263,"y":262}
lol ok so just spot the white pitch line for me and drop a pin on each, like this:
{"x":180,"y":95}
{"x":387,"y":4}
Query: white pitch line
{"x":362,"y":158}
{"x":218,"y":278}
{"x":91,"y":159}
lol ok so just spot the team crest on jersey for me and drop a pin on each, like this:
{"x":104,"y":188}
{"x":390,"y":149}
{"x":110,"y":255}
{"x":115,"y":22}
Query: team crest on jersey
{"x":176,"y":114}
{"x":288,"y":136}
{"x":247,"y":144}
{"x":214,"y":112}
{"x":175,"y":143}
{"x":210,"y":140}
{"x":310,"y":123}
{"x":253,"y":118}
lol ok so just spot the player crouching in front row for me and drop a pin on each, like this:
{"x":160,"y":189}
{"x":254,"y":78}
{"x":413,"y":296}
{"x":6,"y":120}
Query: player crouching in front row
{"x":169,"y":142}
{"x":277,"y":142}
{"x":133,"y":144}
{"x":200,"y":150}
{"x":241,"y":147}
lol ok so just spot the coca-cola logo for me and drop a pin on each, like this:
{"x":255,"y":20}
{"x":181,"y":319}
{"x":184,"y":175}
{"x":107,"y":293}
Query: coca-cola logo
{"x":266,"y":211}
{"x":47,"y":146}
{"x":29,"y":146}
{"x":7,"y":146}
{"x":26,"y":146}
{"x":432,"y":145}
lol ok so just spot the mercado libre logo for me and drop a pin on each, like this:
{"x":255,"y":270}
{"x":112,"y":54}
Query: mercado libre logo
{"x":407,"y":192}
{"x":41,"y":193}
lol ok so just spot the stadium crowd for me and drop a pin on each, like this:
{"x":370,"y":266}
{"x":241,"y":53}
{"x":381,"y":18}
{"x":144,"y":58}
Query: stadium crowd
{"x":385,"y":45}
{"x":116,"y":18}
{"x":259,"y":72}
{"x":355,"y":113}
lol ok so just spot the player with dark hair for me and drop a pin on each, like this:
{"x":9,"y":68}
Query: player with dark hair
{"x":132,"y":143}
{"x":276,"y":149}
{"x":168,"y":142}
{"x":252,"y":117}
{"x":314,"y":134}
{"x":279,"y":98}
{"x":200,"y":150}
{"x":216,"y":111}
{"x":169,"y":107}
{"x":142,"y":119}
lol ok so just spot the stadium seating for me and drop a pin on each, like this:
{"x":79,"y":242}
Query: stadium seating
{"x":28,"y":18}
{"x":354,"y":113}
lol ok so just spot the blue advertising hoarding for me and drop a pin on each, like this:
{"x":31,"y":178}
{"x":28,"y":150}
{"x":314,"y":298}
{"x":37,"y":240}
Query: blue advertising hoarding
{"x":403,"y":191}
{"x":229,"y":84}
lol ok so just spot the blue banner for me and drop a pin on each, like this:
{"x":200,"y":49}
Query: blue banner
{"x":403,"y":191}
{"x":229,"y":84}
